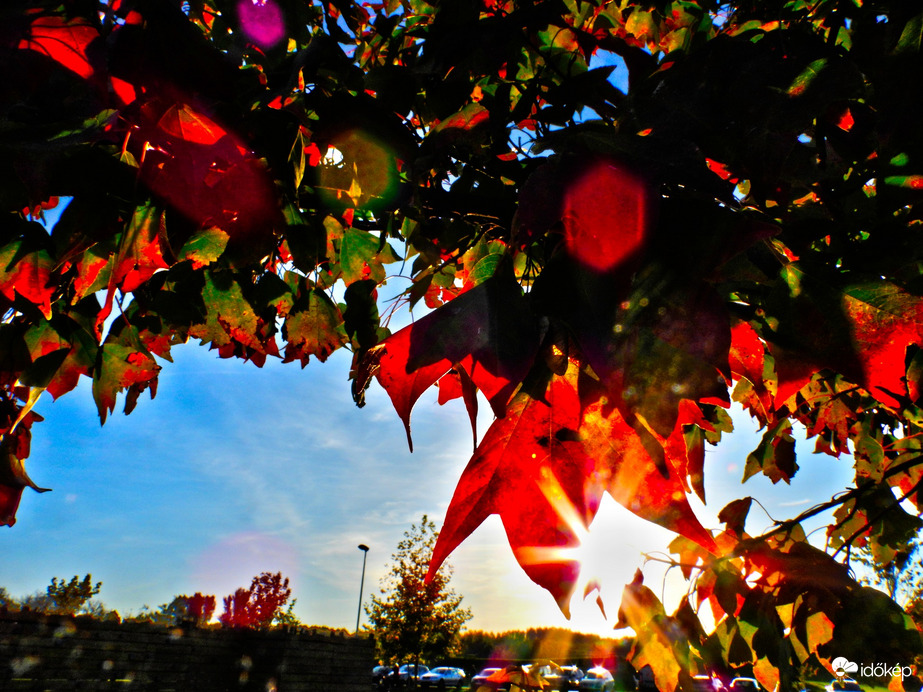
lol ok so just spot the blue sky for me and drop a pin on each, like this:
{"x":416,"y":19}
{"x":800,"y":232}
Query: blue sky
{"x":233,"y":470}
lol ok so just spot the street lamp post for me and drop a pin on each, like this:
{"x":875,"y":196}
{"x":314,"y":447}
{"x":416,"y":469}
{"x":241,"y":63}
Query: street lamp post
{"x":365,"y":552}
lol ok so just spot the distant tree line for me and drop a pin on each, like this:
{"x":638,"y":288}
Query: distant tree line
{"x":540,"y":643}
{"x":260,"y":606}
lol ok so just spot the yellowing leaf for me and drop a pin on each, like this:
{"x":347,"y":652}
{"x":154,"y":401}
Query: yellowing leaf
{"x":204,"y":247}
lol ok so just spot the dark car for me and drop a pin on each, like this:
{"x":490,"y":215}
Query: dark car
{"x":411,"y":671}
{"x":744,"y":685}
{"x":379,"y":673}
{"x":443,"y":677}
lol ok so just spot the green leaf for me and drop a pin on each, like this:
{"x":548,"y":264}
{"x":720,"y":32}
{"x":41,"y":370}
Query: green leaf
{"x":314,"y":327}
{"x":775,"y":455}
{"x":229,"y":314}
{"x":204,"y":247}
{"x":911,"y":36}
{"x":804,"y":80}
{"x":123,"y":363}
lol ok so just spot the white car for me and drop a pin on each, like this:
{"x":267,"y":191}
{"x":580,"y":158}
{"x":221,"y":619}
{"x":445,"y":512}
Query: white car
{"x":443,"y":677}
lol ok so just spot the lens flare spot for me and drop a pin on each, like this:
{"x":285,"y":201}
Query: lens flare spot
{"x":607,"y":215}
{"x":261,"y":21}
{"x":358,"y":171}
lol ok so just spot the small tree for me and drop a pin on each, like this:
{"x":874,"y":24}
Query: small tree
{"x":257,"y":606}
{"x":412,"y":618}
{"x":70,"y":597}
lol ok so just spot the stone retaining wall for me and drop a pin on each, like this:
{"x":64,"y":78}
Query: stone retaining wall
{"x":40,"y":652}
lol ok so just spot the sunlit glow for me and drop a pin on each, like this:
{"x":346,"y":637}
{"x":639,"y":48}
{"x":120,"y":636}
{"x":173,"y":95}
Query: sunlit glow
{"x":591,"y":552}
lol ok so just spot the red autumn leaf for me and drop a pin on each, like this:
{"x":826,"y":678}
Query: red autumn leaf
{"x":388,"y":362}
{"x":747,"y":352}
{"x":862,"y":332}
{"x":64,"y":42}
{"x":120,"y":368}
{"x":27,"y":271}
{"x":467,"y":118}
{"x":543,"y":469}
{"x":721,"y":170}
{"x":457,"y":383}
{"x":487,"y":330}
{"x":139,"y":255}
{"x":185,"y":123}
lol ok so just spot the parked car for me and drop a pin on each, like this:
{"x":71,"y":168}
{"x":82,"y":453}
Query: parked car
{"x":597,"y":680}
{"x":443,"y":677}
{"x":744,"y":685}
{"x":560,"y":677}
{"x":379,"y":673}
{"x":410,"y":671}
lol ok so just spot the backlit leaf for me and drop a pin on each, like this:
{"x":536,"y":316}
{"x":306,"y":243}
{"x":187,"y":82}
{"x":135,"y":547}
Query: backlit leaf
{"x":314,"y":328}
{"x":488,"y":330}
{"x":187,"y":124}
{"x":543,"y":469}
{"x":66,"y":42}
{"x":27,"y":272}
{"x":123,"y":363}
{"x":204,"y":247}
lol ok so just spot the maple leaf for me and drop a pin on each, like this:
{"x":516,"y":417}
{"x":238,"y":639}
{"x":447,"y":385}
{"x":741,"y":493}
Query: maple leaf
{"x":489,"y":331}
{"x":746,"y":358}
{"x":123,"y":364}
{"x":139,"y":255}
{"x":313,"y":327}
{"x":183,"y":122}
{"x":27,"y":271}
{"x":543,"y":469}
{"x":66,"y":42}
{"x":653,"y":646}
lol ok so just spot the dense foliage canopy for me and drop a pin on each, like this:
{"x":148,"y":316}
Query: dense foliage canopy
{"x":609,"y":267}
